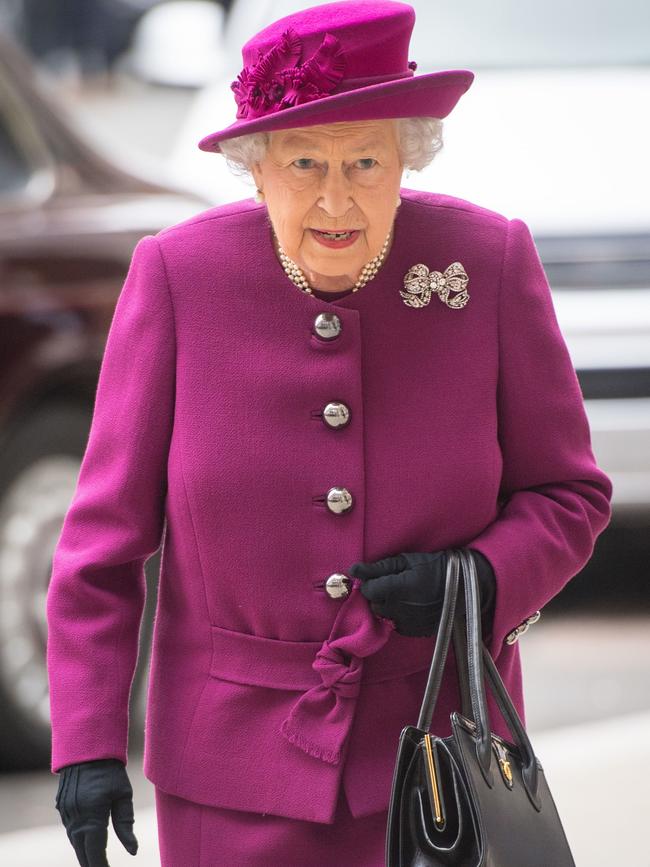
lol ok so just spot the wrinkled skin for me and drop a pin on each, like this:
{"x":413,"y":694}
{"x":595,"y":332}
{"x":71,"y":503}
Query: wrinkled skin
{"x":332,"y":177}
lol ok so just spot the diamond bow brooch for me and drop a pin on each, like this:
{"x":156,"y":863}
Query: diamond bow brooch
{"x":420,"y":284}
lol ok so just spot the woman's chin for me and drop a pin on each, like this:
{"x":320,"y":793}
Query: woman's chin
{"x":333,"y":263}
{"x":335,"y":271}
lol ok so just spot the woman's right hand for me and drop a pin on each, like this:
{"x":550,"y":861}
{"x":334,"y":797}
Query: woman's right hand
{"x":88,"y":793}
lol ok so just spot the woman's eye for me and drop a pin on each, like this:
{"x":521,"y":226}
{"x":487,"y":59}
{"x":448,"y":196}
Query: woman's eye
{"x":300,"y":163}
{"x":367,"y":160}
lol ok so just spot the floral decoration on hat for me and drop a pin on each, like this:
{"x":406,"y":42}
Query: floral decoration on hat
{"x":278,"y":80}
{"x":420,"y":284}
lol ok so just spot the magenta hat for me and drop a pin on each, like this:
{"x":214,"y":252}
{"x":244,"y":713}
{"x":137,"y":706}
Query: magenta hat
{"x":336,"y":62}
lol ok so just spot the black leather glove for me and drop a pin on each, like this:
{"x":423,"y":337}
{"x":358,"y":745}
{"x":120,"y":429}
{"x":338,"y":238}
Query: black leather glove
{"x":409,"y":589}
{"x":88,"y":793}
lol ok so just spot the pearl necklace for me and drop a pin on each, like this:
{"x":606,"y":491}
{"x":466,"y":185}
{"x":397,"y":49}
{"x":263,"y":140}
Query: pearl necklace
{"x":296,"y":275}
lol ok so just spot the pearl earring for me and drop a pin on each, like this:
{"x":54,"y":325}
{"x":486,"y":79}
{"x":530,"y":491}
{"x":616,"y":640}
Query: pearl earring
{"x":259,"y":195}
{"x":399,"y":201}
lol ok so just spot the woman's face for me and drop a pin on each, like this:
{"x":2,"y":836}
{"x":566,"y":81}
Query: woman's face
{"x":332,"y":177}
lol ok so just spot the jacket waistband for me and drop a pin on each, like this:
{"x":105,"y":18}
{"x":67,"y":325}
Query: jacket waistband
{"x":279,"y":664}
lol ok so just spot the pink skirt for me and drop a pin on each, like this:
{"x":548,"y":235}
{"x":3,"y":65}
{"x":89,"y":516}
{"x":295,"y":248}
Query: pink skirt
{"x":196,"y":835}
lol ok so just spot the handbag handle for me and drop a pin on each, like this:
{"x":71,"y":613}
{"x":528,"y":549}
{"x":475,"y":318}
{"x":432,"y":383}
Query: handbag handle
{"x":474,"y":660}
{"x":443,"y":636}
{"x":476,"y":648}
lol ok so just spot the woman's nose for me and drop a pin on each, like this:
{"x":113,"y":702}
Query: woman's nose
{"x":335,"y":197}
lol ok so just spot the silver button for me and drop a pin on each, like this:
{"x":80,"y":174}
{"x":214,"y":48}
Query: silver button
{"x":337,"y":585}
{"x":327,"y":325}
{"x":339,"y":500}
{"x":336,"y":414}
{"x":513,"y":636}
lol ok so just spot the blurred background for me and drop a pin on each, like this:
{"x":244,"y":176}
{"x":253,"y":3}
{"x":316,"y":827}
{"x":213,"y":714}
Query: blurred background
{"x":102,"y":104}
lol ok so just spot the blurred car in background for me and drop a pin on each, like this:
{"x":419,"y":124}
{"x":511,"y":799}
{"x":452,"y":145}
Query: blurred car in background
{"x":69,"y":220}
{"x":554,"y":130}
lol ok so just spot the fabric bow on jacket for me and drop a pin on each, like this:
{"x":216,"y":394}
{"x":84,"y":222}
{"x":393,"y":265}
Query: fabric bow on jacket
{"x":319,"y":721}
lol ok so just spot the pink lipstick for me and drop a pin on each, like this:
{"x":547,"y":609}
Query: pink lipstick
{"x":329,"y":239}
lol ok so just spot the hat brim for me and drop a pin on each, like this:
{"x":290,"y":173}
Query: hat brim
{"x":434,"y":94}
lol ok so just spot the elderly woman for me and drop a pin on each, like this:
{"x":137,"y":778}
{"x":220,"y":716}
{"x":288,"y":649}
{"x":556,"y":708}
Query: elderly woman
{"x":314,"y":394}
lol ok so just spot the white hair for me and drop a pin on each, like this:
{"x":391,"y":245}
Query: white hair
{"x":420,"y":139}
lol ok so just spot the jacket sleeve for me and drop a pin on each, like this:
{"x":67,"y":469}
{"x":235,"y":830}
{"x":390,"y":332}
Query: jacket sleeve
{"x":555,"y":500}
{"x":114,"y":523}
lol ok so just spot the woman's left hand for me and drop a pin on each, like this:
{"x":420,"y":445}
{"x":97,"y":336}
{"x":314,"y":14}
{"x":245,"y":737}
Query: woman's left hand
{"x":409,"y":589}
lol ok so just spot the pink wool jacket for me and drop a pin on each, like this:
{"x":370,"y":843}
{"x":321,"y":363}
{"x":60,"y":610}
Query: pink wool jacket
{"x":467,"y":428}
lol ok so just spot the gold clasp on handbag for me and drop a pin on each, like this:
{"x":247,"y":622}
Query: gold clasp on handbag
{"x":504,"y":761}
{"x":432,"y":782}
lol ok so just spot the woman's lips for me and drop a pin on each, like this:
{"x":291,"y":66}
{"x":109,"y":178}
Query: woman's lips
{"x":328,"y":242}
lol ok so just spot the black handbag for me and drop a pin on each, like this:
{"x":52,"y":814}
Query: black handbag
{"x":472,"y":799}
